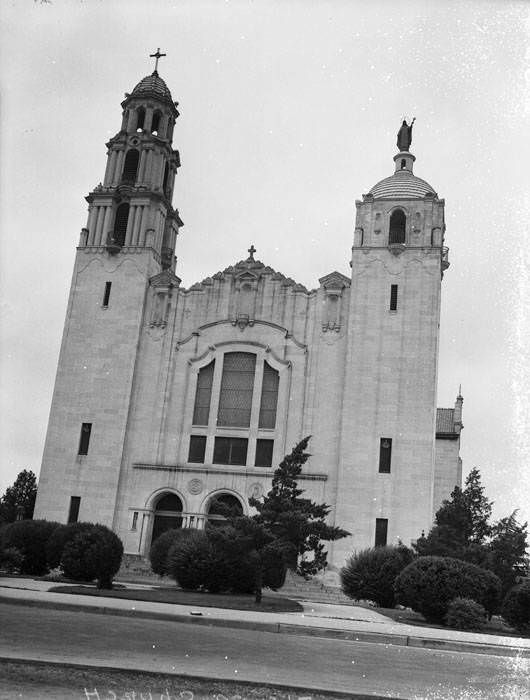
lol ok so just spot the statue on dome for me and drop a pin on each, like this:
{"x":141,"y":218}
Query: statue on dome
{"x":404,"y":137}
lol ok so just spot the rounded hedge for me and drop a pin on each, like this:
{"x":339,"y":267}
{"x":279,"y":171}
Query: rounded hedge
{"x":58,"y":540}
{"x":465,"y":614}
{"x":189,"y":560}
{"x":370,"y":574}
{"x":516,"y":607}
{"x":429,"y":584}
{"x":160,"y":548}
{"x":30,"y":538}
{"x":93,"y":553}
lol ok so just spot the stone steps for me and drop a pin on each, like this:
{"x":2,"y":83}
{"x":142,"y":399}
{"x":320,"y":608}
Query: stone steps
{"x":135,"y":568}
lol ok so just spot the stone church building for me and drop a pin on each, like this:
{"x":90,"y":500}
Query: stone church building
{"x":168,"y":399}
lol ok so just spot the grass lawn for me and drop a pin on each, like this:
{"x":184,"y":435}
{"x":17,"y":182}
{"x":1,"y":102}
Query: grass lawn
{"x":408,"y":617}
{"x":180,"y":597}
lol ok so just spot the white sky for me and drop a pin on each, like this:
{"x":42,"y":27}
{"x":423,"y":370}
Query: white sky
{"x":289,"y":112}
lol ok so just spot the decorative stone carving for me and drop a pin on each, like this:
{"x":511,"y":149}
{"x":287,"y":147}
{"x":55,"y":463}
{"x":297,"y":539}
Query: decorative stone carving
{"x":195,"y":487}
{"x":333,"y":285}
{"x":255,"y":490}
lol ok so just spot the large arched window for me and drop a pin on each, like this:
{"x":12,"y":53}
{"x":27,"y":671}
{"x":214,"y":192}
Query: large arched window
{"x":243,"y":432}
{"x":130,"y":167}
{"x":120,"y":223}
{"x":398,"y":223}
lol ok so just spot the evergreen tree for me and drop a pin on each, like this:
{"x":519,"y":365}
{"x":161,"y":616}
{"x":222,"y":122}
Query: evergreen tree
{"x":508,"y":556}
{"x":286,"y":530}
{"x":18,"y":501}
{"x":461,"y":524}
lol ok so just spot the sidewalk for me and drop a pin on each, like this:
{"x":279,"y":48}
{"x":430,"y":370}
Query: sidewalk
{"x":318,"y":619}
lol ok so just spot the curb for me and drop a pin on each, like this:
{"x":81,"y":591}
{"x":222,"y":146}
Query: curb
{"x":209,"y":679}
{"x":286,"y":628}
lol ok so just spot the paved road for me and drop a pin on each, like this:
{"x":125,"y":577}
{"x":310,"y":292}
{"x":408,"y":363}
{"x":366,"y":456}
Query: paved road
{"x":326,"y":664}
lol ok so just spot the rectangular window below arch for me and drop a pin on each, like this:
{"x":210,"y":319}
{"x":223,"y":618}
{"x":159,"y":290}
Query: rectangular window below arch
{"x":230,"y":450}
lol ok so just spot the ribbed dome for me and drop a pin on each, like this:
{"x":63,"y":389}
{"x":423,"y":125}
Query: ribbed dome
{"x":401,"y":184}
{"x":153,"y":85}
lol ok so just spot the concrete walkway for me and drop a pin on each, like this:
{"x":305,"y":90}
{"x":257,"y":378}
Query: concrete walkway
{"x":317,"y":619}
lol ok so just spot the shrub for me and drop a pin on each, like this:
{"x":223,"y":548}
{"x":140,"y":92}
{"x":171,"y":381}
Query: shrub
{"x":11,"y":559}
{"x":188,"y":560}
{"x":161,"y":546}
{"x":370,"y":574}
{"x":429,"y":584}
{"x":465,"y":614}
{"x":59,"y":538}
{"x":516,"y":607}
{"x":93,"y":553}
{"x":30,"y":538}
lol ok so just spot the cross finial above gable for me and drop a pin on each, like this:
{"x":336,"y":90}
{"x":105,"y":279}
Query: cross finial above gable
{"x":251,"y":250}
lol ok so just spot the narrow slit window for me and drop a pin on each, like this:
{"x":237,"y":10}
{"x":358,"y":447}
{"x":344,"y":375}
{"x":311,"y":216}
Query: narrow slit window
{"x":134,"y":525}
{"x":197,"y":449}
{"x":73,"y":513}
{"x":381,"y":532}
{"x":106,"y":295}
{"x":393,"y":297}
{"x":84,"y":439}
{"x":385,"y":455}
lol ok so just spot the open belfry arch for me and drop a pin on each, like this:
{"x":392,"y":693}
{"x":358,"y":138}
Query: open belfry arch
{"x":170,"y":401}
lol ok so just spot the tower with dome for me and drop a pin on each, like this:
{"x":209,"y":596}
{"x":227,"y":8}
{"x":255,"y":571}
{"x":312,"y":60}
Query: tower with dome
{"x":170,"y":400}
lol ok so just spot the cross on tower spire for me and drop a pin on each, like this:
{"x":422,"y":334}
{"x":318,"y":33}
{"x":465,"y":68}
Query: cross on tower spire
{"x":252,"y":250}
{"x":156,"y":55}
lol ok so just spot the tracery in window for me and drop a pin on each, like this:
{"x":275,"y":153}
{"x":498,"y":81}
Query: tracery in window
{"x":237,"y":386}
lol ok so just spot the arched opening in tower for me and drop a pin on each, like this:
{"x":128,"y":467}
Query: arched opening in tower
{"x":155,"y":124}
{"x":140,"y":118}
{"x":130,"y":167}
{"x":398,"y":222}
{"x":120,"y":223}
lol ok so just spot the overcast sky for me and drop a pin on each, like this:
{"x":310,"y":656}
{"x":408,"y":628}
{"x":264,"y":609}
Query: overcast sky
{"x":289,"y":112}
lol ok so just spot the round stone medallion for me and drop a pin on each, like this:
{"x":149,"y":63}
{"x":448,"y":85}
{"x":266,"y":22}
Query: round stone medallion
{"x":195,"y":486}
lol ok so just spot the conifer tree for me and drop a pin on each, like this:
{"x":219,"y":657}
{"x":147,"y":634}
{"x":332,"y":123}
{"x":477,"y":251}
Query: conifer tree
{"x":286,"y":530}
{"x":19,"y":499}
{"x":461,"y":524}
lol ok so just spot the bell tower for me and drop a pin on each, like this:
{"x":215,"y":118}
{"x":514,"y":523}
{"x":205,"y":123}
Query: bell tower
{"x":129,"y":239}
{"x":386,"y":467}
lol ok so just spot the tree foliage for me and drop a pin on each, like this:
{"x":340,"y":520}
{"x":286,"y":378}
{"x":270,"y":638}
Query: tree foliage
{"x":462,"y":530}
{"x":18,"y":501}
{"x":287,"y":529}
{"x":461,"y":523}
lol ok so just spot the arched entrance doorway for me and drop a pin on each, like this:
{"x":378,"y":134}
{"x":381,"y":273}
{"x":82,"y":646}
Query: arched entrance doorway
{"x":218,"y":506}
{"x":168,"y":514}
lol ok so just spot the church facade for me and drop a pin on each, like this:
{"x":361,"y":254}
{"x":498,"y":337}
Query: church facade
{"x":168,"y":399}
